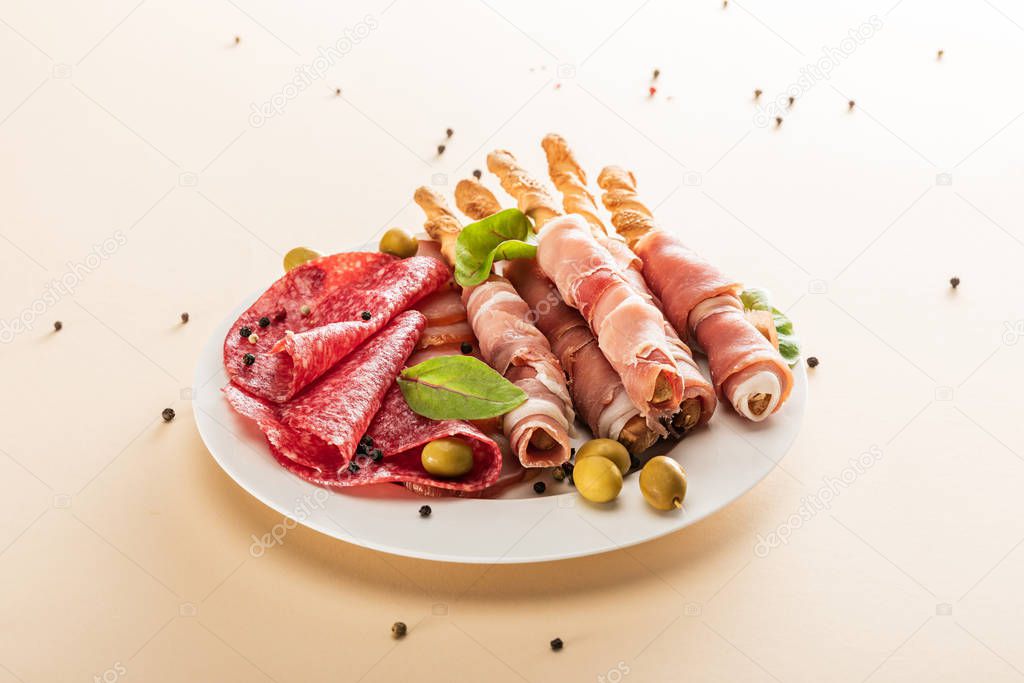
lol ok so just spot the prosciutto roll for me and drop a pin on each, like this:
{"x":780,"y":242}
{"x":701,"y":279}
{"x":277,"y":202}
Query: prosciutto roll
{"x":538,"y":430}
{"x":513,"y":346}
{"x":596,"y":389}
{"x":702,"y":303}
{"x":567,"y":174}
{"x":629,"y":329}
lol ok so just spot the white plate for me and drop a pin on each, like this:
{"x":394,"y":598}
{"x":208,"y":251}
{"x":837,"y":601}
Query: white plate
{"x":722,"y":462}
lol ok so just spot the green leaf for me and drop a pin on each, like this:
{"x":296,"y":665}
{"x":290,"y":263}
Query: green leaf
{"x":458,"y":388}
{"x":505,"y":235}
{"x":789,"y":345}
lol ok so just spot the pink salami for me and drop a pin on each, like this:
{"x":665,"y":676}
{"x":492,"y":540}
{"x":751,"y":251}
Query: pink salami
{"x":320,"y":429}
{"x":313,"y":316}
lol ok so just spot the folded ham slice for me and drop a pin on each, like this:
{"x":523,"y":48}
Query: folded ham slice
{"x":321,"y":303}
{"x":321,"y":428}
{"x":512,"y":345}
{"x":629,"y":329}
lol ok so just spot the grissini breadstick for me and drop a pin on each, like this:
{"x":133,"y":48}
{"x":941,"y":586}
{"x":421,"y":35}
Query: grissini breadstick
{"x":702,"y":303}
{"x":628,"y":328}
{"x":596,"y":388}
{"x":538,"y":430}
{"x":567,"y":174}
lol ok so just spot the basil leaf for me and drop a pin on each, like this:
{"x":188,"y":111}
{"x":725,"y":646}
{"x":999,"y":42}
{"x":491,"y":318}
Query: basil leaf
{"x":499,"y":237}
{"x":789,"y":344}
{"x":458,"y":388}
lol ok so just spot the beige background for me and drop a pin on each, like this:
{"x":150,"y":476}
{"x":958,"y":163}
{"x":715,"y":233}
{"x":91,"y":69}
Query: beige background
{"x":124,"y":550}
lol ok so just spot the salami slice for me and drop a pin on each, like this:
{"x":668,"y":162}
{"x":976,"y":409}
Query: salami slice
{"x":320,"y":428}
{"x":323,"y":304}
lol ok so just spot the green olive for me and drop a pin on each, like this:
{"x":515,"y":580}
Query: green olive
{"x":663,"y":483}
{"x":597,"y":479}
{"x":399,"y":243}
{"x":298,"y":256}
{"x":605,"y":448}
{"x":447,"y":457}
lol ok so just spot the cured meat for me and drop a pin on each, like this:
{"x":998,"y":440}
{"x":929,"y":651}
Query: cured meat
{"x":695,"y":385}
{"x":596,"y":389}
{"x":401,"y":435}
{"x":512,"y":345}
{"x":443,"y":307}
{"x":320,"y":429}
{"x":629,"y":329}
{"x":702,"y":303}
{"x":322,"y":303}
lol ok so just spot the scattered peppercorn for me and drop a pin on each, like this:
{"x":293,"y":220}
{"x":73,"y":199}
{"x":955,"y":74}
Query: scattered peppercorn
{"x":812,"y":361}
{"x":725,"y":3}
{"x":238,"y":39}
{"x":280,"y":316}
{"x":376,"y":455}
{"x":466,"y":348}
{"x":657,"y":72}
{"x":449,"y":132}
{"x":248,"y":359}
{"x":852,"y":105}
{"x":264,"y":321}
{"x":304,"y":309}
{"x":353,"y":468}
{"x":954,"y":282}
{"x":245,"y":331}
{"x":167,"y":414}
{"x":399,"y":629}
{"x":184,"y":317}
{"x":477,"y":174}
{"x":557,"y":644}
{"x":440,"y":149}
{"x":567,"y":467}
{"x":366,"y":315}
{"x":253,"y":338}
{"x":539,"y":487}
{"x":652,"y":90}
{"x":778,"y":121}
{"x":791,"y":100}
{"x":57,"y":326}
{"x":558,"y":474}
{"x":337,"y":91}
{"x":368,"y":440}
{"x":757,"y":94}
{"x":425,"y":511}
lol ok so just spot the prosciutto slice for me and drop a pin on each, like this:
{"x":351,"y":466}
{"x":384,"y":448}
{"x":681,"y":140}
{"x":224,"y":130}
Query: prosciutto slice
{"x":513,"y":346}
{"x":596,"y":389}
{"x":695,"y":385}
{"x":315,"y":316}
{"x":629,"y":329}
{"x":702,"y":304}
{"x":320,"y":429}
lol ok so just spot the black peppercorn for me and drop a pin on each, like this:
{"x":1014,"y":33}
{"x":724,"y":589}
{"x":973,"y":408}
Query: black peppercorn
{"x":167,"y":414}
{"x":440,"y":149}
{"x":477,"y":174}
{"x":812,"y":362}
{"x":353,"y":468}
{"x":366,"y":315}
{"x":539,"y":487}
{"x":954,"y":282}
{"x":449,"y":132}
{"x":466,"y":348}
{"x":248,"y":359}
{"x":556,"y":644}
{"x":376,"y":455}
{"x":57,"y":326}
{"x":425,"y":511}
{"x":399,"y":629}
{"x":184,"y":317}
{"x":264,"y":321}
{"x":245,"y":331}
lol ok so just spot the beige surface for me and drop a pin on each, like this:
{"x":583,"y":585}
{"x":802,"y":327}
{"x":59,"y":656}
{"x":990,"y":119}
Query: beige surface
{"x":124,"y":550}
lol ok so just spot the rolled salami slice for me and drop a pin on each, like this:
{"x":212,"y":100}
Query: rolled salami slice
{"x":321,"y":428}
{"x":322,"y":303}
